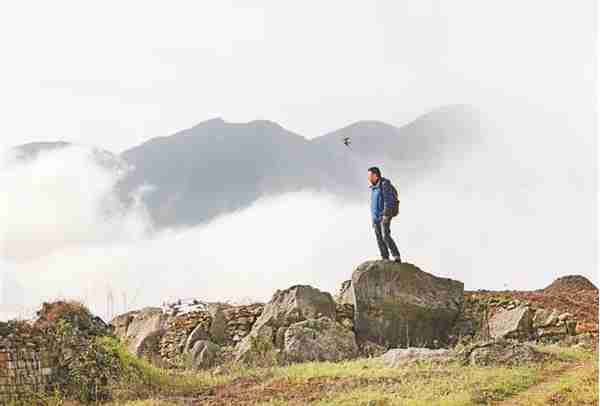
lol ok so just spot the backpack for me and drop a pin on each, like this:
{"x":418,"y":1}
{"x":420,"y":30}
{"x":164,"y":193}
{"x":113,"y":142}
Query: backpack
{"x":394,"y":211}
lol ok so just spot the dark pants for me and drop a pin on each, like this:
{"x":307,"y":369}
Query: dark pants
{"x":384,"y":239}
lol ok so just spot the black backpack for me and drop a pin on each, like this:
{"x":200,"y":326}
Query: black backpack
{"x":394,"y":210}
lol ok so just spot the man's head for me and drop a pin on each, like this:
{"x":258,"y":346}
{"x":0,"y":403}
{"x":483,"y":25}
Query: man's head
{"x":373,"y":175}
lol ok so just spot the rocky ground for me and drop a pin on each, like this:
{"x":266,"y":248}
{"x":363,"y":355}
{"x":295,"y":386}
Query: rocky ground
{"x":394,"y":334}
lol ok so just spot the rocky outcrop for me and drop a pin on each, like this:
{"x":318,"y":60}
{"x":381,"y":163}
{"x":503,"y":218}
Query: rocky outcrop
{"x":399,"y":305}
{"x":285,"y":308}
{"x":512,"y":323}
{"x":318,"y":340}
{"x":401,"y":356}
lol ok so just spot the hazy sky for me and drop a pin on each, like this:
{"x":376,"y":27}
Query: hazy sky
{"x":117,"y":73}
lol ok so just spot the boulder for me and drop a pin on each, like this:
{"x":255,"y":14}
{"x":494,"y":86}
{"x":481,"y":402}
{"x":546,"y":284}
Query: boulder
{"x":500,"y":352}
{"x":370,"y":349}
{"x":513,"y":323}
{"x":286,"y":307}
{"x":140,"y":328}
{"x":204,"y":354}
{"x":401,"y":356}
{"x":399,"y":305}
{"x":200,"y":332}
{"x":318,"y":340}
{"x":218,"y":323}
{"x":298,"y":303}
{"x":545,"y":318}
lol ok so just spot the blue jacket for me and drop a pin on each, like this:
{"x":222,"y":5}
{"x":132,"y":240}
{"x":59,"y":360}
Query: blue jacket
{"x":381,"y":202}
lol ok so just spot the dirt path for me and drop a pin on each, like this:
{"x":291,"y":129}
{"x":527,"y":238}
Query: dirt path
{"x":544,"y":388}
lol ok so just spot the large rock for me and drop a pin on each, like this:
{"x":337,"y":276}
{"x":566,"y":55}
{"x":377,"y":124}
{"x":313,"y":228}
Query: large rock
{"x":401,"y":356}
{"x":513,"y":323}
{"x":399,"y":305}
{"x":500,"y":352}
{"x":545,"y":317}
{"x":318,"y":340}
{"x":285,"y":308}
{"x":140,"y":329}
{"x":204,"y":354}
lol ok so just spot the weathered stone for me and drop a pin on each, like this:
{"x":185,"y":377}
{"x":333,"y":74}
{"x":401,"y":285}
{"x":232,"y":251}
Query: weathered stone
{"x":218,"y":323}
{"x":292,"y":305}
{"x":319,"y":340}
{"x":399,"y":305}
{"x":500,"y":352}
{"x":258,"y":346}
{"x":203,"y":354}
{"x":298,"y":303}
{"x":140,"y":327}
{"x":198,"y":333}
{"x":370,"y":349}
{"x":401,"y":356}
{"x":515,"y":323}
{"x":239,"y":321}
{"x":545,"y":317}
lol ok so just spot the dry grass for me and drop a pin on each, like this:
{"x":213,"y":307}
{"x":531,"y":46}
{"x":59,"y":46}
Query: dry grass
{"x":364,"y":382}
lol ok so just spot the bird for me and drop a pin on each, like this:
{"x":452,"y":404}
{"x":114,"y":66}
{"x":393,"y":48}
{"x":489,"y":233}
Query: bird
{"x":346,"y":141}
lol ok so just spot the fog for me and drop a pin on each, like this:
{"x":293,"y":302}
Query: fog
{"x":65,"y":235}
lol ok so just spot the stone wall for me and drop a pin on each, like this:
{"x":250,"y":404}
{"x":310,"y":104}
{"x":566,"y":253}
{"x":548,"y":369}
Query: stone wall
{"x":26,"y":364}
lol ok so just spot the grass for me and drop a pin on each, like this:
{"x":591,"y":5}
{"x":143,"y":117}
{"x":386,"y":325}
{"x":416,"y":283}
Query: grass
{"x":360,"y":382}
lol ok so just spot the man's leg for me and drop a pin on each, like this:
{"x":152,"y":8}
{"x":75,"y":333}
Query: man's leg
{"x":383,"y":249}
{"x":389,"y":242}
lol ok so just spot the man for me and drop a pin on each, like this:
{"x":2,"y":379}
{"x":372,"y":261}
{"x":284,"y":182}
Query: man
{"x":383,"y":207}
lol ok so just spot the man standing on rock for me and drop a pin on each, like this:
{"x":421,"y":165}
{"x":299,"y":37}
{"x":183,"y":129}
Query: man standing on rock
{"x":384,"y":206}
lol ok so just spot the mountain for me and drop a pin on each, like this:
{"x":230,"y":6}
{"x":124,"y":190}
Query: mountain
{"x":217,"y":167}
{"x":413,"y":150}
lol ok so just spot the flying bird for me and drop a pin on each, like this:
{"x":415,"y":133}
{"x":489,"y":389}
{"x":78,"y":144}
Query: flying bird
{"x":346,"y":141}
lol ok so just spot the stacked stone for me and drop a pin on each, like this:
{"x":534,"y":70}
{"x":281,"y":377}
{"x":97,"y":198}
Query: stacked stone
{"x":25,"y":364}
{"x":239,"y":321}
{"x":344,"y":314}
{"x":178,"y":329}
{"x":515,"y":318}
{"x":548,"y":324}
{"x":552,"y":324}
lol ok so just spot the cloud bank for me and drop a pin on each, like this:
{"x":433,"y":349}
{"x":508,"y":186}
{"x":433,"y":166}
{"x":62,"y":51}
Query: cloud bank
{"x":64,"y":234}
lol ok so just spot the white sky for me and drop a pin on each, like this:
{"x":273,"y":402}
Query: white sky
{"x":116,"y":73}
